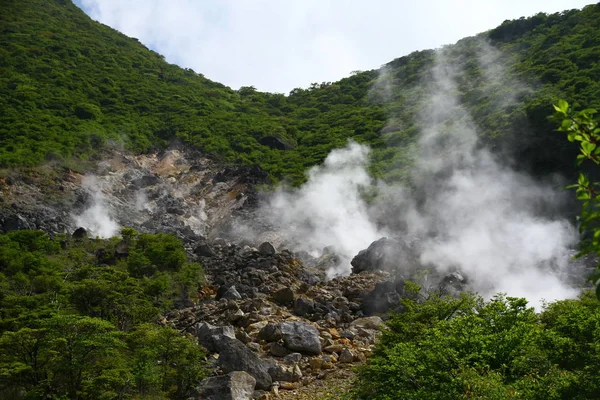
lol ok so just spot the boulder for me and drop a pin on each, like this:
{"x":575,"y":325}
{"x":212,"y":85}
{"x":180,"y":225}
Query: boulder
{"x":270,"y":332}
{"x":292,"y":359}
{"x":15,"y":223}
{"x":266,"y":249}
{"x":346,"y":356}
{"x":452,"y":284}
{"x":235,"y":356}
{"x":384,"y":297}
{"x":209,"y":335}
{"x":385,"y":255}
{"x":145,"y":181}
{"x":278,"y":350}
{"x":231,"y":294}
{"x":237,"y":385}
{"x":284,"y":296}
{"x":368,"y":323}
{"x":304,"y":307}
{"x":204,"y":250}
{"x":301,"y":337}
{"x":80,"y":233}
{"x":285,"y":373}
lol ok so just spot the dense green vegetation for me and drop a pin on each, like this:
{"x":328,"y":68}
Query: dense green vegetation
{"x":68,"y":85}
{"x":78,"y":318}
{"x":583,"y":127}
{"x":496,"y":350}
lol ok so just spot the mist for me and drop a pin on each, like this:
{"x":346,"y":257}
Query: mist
{"x":97,"y":217}
{"x":329,"y":209}
{"x":466,"y":209}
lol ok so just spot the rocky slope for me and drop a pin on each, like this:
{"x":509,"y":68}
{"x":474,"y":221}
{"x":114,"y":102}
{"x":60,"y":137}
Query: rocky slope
{"x":273,"y":323}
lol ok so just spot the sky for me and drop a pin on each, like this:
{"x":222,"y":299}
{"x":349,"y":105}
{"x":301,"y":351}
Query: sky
{"x":279,"y":45}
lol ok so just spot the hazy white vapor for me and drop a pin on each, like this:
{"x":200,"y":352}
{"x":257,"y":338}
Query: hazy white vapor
{"x":96,"y":218}
{"x":280,"y":45}
{"x":328,"y":209}
{"x":467,"y":212}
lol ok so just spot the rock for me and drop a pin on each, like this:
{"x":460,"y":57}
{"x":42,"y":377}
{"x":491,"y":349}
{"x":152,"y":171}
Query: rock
{"x":80,"y":233}
{"x":289,"y":385}
{"x":253,"y":346}
{"x":346,"y":356}
{"x":304,"y":307}
{"x":15,"y":223}
{"x":285,"y":373}
{"x":386,"y":255}
{"x":209,"y":335}
{"x":452,"y":284}
{"x":385,"y":296}
{"x":301,"y":337}
{"x":284,"y":296}
{"x":145,"y":181}
{"x":315,"y":364}
{"x":204,"y":250}
{"x":231,"y":294}
{"x":292,"y":358}
{"x":334,"y":348}
{"x":235,"y":356}
{"x":270,"y":332}
{"x":368,"y":323}
{"x":237,"y":385}
{"x":278,"y":350}
{"x":267,"y":249}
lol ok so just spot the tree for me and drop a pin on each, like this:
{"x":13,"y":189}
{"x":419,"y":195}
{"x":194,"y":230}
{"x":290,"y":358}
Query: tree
{"x":583,"y":127}
{"x":455,"y":348}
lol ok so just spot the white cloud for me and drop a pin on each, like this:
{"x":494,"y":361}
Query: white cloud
{"x":278,"y":45}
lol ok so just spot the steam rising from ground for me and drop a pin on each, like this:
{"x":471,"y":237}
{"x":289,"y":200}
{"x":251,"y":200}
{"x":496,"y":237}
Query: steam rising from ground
{"x":97,"y":218}
{"x":329,"y":210}
{"x":467,"y":211}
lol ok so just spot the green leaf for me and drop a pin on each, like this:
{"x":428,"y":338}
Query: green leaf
{"x":563,"y":106}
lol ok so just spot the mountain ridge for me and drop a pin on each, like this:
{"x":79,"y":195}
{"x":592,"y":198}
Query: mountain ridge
{"x":73,"y":85}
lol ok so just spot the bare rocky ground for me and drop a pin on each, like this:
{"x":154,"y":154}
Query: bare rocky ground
{"x":266,"y":311}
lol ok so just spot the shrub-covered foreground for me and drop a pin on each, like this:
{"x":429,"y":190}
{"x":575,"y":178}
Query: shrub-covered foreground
{"x":499,"y":349}
{"x":78,"y":317}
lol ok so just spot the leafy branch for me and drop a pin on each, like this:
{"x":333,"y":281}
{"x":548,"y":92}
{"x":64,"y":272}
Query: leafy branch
{"x":583,"y":127}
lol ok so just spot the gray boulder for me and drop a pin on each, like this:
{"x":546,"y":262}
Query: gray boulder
{"x":210,"y":336}
{"x":267,"y":249}
{"x":284,"y":296}
{"x":204,"y":250}
{"x":270,"y":332}
{"x":235,"y":356}
{"x":232,"y":294}
{"x":15,"y":223}
{"x":287,"y":373}
{"x":237,"y":385}
{"x":304,"y":307}
{"x":386,"y":255}
{"x":301,"y":337}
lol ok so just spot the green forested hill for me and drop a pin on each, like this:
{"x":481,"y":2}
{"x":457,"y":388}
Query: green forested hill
{"x":68,"y":85}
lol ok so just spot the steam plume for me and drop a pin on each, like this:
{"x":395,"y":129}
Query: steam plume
{"x":467,"y":210}
{"x":97,"y":218}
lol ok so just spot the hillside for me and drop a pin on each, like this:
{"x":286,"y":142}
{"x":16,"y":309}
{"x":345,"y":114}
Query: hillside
{"x":70,"y":86}
{"x":146,"y":253}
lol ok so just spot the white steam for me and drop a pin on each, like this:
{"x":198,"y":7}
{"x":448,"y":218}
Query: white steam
{"x":329,"y":210}
{"x":97,"y":218}
{"x":467,"y":211}
{"x":486,"y":217}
